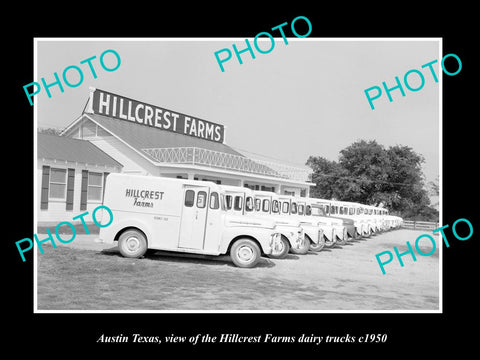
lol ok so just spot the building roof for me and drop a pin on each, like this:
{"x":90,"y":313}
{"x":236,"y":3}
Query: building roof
{"x":69,"y":149}
{"x":144,"y":137}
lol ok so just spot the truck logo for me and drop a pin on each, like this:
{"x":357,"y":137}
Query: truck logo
{"x":137,"y":194}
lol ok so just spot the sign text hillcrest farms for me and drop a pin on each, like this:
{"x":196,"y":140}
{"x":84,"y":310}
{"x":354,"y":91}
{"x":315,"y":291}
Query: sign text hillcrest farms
{"x":122,"y":108}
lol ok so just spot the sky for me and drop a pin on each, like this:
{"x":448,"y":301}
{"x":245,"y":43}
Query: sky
{"x":301,"y":99}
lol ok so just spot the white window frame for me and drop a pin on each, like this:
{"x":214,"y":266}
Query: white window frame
{"x":50,"y":182}
{"x":95,"y":186}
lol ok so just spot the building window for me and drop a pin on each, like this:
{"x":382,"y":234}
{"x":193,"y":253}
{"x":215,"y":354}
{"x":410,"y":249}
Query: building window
{"x":95,"y":185}
{"x":58,"y":184}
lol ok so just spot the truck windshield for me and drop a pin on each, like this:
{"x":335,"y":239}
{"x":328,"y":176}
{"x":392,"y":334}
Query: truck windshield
{"x":318,"y":211}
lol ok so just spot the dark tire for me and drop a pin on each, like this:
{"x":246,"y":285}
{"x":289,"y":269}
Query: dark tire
{"x":303,"y":249}
{"x":283,"y":251}
{"x":245,"y":253}
{"x":341,"y":241}
{"x":319,"y":246}
{"x":132,"y":244}
{"x":329,"y":244}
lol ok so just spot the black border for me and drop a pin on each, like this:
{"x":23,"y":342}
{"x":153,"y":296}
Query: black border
{"x":407,"y":333}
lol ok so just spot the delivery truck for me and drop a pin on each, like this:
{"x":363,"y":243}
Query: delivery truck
{"x":186,"y":216}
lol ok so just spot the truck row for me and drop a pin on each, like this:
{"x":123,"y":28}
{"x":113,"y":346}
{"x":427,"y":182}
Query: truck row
{"x":201,"y":217}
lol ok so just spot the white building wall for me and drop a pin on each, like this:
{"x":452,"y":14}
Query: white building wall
{"x":132,"y":162}
{"x":57,"y":211}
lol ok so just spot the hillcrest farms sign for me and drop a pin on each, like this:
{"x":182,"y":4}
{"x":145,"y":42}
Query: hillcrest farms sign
{"x":125,"y":109}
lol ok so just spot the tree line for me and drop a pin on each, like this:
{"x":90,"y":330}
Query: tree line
{"x":368,"y":173}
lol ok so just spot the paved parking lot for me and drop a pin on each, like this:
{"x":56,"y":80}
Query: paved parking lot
{"x":89,"y":276}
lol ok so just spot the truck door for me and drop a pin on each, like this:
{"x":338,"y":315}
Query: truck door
{"x":194,"y":217}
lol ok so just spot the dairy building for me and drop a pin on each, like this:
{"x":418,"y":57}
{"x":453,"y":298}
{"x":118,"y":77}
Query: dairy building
{"x":118,"y":134}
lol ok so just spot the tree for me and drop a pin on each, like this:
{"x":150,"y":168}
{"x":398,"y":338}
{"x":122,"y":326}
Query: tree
{"x":51,"y":131}
{"x":368,"y":173}
{"x":325,"y":175}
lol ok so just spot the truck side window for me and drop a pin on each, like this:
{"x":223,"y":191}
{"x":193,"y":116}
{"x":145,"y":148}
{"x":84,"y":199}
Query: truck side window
{"x":275,"y":206}
{"x":300,"y":209}
{"x":249,"y":204}
{"x":285,"y":207}
{"x":258,"y":204}
{"x":294,"y":208}
{"x":189,"y":198}
{"x":266,"y":205}
{"x":201,"y":199}
{"x":237,"y":205}
{"x":228,"y":201}
{"x":308,"y":210}
{"x":214,"y":204}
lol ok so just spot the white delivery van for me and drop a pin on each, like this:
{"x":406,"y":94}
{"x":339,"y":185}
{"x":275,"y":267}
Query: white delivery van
{"x":267,"y":204}
{"x":313,"y":230}
{"x":360,"y":224}
{"x":241,"y":201}
{"x":186,"y":216}
{"x":355,"y":211}
{"x":335,"y":229}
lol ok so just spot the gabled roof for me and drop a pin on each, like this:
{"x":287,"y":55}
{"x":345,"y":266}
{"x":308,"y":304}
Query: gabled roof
{"x":141,"y":138}
{"x":144,"y":137}
{"x":68,"y":149}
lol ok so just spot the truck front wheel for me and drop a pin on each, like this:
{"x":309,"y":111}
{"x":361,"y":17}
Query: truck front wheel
{"x":132,"y":244}
{"x":245,"y":253}
{"x":282,"y":250}
{"x":319,"y":246}
{"x":303,"y":247}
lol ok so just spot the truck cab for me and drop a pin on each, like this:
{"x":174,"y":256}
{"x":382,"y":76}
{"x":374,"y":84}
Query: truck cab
{"x":356,"y":212}
{"x":183,"y":216}
{"x":338,"y":228}
{"x":294,"y":208}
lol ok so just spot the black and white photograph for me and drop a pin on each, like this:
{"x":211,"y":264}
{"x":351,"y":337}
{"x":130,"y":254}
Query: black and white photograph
{"x":239,"y":169}
{"x":238,"y":180}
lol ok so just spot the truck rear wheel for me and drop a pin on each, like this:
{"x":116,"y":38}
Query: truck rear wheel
{"x":132,"y":244}
{"x":282,"y":250}
{"x":245,"y":253}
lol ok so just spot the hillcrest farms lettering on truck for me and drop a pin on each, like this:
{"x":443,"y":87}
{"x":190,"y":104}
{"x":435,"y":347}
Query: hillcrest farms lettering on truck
{"x":143,"y":194}
{"x":122,"y":108}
